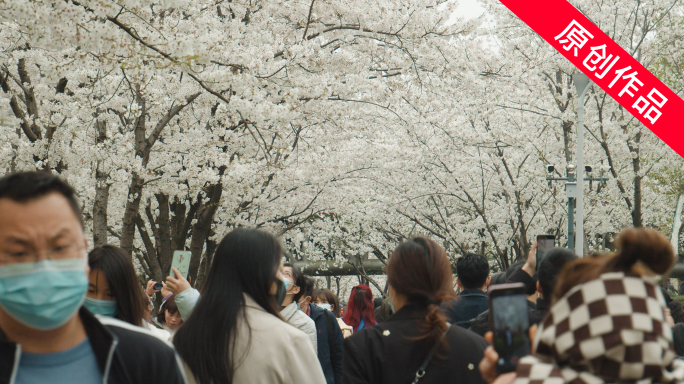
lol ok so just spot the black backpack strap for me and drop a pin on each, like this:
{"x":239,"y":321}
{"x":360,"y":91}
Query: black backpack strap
{"x":421,"y":371}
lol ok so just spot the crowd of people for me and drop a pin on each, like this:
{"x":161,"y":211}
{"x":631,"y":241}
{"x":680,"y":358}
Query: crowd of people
{"x":72,"y":316}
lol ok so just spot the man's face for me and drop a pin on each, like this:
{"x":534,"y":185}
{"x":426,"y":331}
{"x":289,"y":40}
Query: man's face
{"x":38,"y":229}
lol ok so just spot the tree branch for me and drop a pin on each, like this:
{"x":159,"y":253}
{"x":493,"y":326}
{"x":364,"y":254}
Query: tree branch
{"x":308,"y":19}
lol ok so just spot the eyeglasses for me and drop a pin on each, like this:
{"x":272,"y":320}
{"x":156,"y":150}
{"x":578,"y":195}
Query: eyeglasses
{"x":59,"y":252}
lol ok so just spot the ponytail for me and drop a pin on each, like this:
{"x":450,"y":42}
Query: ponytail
{"x":420,"y":270}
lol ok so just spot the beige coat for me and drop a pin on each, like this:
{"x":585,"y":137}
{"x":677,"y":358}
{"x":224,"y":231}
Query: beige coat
{"x":278,"y":353}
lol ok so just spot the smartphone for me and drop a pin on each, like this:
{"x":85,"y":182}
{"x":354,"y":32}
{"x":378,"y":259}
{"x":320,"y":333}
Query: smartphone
{"x":181,"y":261}
{"x":544,"y":243}
{"x":510,"y":323}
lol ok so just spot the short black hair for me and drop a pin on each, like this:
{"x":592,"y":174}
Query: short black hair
{"x":550,"y":267}
{"x":472,"y":270}
{"x":22,"y":187}
{"x":299,"y":281}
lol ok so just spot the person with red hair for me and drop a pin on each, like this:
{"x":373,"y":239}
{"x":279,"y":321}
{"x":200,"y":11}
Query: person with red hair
{"x":360,"y":311}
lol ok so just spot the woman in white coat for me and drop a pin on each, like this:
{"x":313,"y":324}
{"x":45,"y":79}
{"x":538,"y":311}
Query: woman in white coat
{"x":235,"y":333}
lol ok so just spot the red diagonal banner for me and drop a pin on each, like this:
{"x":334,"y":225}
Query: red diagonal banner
{"x":607,"y":65}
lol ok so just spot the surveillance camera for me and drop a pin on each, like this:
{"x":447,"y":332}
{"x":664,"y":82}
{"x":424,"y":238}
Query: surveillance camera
{"x":587,"y":168}
{"x":550,"y":168}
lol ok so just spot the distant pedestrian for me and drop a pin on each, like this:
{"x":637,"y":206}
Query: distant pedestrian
{"x":549,"y":269}
{"x":325,"y":299}
{"x":328,"y":335}
{"x":473,"y":278}
{"x":415,"y":344}
{"x":360,"y":311}
{"x":169,"y":316}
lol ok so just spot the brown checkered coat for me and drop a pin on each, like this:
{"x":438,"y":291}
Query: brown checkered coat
{"x":611,"y":329}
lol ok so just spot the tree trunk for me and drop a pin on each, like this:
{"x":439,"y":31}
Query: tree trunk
{"x":202,"y":228}
{"x":101,"y":192}
{"x":206,"y":262}
{"x":143,"y":146}
{"x":567,"y":140}
{"x":636,"y":164}
{"x":135,"y":189}
{"x":164,"y":247}
{"x":130,"y":213}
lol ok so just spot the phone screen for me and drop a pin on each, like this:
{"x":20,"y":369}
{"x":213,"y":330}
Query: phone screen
{"x":511,"y":324}
{"x":544,"y":243}
{"x":181,"y":261}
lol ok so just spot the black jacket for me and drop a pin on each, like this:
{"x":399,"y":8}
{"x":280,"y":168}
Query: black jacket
{"x":124,"y":353}
{"x":536,"y":312}
{"x":465,"y":307}
{"x":385,"y":354}
{"x":330,"y":356}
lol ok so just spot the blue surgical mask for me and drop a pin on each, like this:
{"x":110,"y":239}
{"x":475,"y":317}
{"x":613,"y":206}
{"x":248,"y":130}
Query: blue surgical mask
{"x":101,"y":307}
{"x":44,"y":294}
{"x":286,"y":282}
{"x":325,"y":306}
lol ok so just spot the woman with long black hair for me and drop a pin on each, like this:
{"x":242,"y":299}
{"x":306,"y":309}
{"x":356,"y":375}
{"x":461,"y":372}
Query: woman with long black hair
{"x":114,"y":290}
{"x":416,"y":344}
{"x":235,"y":333}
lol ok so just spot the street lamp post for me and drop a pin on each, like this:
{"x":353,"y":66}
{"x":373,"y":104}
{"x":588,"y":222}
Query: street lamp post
{"x":582,"y":84}
{"x":571,"y":192}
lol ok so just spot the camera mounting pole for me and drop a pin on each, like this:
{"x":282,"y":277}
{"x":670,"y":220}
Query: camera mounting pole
{"x":582,"y":84}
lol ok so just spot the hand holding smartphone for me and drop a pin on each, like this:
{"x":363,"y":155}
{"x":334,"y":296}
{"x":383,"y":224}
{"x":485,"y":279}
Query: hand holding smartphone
{"x":510,"y":324}
{"x":544,"y":243}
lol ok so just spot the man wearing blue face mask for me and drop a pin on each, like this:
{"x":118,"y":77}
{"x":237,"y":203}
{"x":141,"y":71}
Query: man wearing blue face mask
{"x":45,"y":334}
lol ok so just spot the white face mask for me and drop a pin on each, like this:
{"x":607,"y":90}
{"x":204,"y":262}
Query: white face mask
{"x":325,"y":306}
